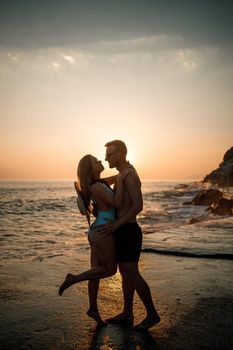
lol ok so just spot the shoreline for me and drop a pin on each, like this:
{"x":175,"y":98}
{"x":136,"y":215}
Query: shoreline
{"x":194,"y":298}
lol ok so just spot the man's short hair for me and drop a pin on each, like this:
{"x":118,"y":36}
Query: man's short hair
{"x":120,"y":146}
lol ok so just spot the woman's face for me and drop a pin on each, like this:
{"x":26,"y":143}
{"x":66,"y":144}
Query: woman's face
{"x":97,"y":166}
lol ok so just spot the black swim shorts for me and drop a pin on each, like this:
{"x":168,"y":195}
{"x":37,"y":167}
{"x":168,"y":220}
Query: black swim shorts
{"x":128,"y":240}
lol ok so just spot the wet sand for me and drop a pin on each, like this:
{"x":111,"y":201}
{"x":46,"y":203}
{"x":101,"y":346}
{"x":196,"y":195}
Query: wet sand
{"x":194,"y":298}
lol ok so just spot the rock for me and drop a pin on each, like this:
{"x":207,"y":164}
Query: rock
{"x":193,"y":221}
{"x":206,"y":197}
{"x":181,"y":186}
{"x":223,"y":175}
{"x":217,"y":204}
{"x":197,"y":219}
{"x":213,"y":198}
{"x":223,"y":207}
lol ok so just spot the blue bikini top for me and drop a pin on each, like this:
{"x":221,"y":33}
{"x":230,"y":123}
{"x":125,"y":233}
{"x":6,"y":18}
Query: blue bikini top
{"x":103,"y":216}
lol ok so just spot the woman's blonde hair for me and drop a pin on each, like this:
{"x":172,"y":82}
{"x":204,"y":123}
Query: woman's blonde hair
{"x":86,"y":177}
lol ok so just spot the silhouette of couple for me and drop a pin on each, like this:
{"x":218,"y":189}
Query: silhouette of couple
{"x":115,"y":236}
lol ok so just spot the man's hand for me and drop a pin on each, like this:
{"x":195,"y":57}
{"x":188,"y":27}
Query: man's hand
{"x":107,"y":229}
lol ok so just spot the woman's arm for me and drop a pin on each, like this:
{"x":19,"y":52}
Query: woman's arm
{"x":104,"y":195}
{"x":110,"y":179}
{"x":118,"y":198}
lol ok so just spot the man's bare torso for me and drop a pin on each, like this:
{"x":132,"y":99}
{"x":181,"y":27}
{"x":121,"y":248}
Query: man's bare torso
{"x":130,"y":196}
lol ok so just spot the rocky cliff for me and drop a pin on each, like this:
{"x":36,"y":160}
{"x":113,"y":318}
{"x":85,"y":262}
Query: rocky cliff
{"x":223,"y":175}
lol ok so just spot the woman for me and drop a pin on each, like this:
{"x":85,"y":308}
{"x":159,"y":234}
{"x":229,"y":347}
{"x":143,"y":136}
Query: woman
{"x":103,"y":257}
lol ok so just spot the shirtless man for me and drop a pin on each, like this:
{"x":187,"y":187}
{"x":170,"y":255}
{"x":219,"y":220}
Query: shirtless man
{"x":128,"y":240}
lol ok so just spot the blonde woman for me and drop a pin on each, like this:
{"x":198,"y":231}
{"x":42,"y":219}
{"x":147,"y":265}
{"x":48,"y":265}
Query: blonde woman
{"x":97,"y":194}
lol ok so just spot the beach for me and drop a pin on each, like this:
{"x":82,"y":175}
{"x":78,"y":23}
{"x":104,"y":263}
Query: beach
{"x":188,"y":267}
{"x":194,"y":298}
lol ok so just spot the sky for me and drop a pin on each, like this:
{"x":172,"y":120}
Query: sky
{"x":157,"y":74}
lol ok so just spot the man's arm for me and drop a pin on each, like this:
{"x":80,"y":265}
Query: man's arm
{"x":133,"y":187}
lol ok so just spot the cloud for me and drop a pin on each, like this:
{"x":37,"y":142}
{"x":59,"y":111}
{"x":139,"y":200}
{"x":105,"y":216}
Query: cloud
{"x":142,"y":54}
{"x":188,"y":59}
{"x":139,"y":43}
{"x":69,"y":59}
{"x":57,"y":23}
{"x":43,"y":60}
{"x":13,"y":57}
{"x":54,"y":66}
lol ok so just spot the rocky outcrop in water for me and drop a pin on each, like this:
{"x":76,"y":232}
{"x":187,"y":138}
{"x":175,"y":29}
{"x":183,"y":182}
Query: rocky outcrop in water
{"x":206,"y":197}
{"x":223,"y":175}
{"x":217,"y":203}
{"x":214,"y":199}
{"x":223,"y":207}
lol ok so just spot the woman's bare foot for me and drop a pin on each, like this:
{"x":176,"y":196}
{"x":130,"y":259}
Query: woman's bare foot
{"x":148,"y":322}
{"x":121,"y":318}
{"x":96,"y":316}
{"x":69,"y":280}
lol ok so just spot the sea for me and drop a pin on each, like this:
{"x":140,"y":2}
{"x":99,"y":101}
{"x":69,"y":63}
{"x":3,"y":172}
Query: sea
{"x":40,"y":220}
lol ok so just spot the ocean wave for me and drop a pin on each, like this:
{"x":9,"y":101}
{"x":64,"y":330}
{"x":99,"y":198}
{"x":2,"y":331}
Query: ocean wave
{"x":158,"y":195}
{"x":24,"y":207}
{"x":39,"y":220}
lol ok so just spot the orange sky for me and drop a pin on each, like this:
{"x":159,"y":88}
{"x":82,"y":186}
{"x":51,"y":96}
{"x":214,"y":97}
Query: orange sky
{"x":68,"y":86}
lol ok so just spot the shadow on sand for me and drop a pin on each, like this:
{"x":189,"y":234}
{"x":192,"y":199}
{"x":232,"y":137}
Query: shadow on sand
{"x":208,"y":325}
{"x":121,"y":337}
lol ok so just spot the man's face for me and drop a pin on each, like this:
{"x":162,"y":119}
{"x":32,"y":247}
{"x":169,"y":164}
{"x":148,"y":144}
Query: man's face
{"x":111,"y":156}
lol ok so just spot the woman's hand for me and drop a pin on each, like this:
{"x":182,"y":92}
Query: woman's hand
{"x":121,"y":176}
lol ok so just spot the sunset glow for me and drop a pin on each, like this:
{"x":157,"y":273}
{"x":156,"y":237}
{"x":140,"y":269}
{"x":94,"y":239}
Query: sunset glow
{"x":78,"y":75}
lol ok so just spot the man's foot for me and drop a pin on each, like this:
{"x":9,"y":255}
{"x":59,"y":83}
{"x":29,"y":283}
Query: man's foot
{"x":148,"y":322}
{"x":96,"y":316}
{"x":121,"y":318}
{"x":69,"y":280}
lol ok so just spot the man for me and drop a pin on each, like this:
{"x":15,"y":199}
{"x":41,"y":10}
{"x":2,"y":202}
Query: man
{"x":128,"y":239}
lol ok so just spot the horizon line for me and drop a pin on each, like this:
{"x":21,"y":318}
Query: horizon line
{"x":74,"y":179}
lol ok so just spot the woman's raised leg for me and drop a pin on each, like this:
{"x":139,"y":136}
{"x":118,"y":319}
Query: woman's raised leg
{"x":105,"y":249}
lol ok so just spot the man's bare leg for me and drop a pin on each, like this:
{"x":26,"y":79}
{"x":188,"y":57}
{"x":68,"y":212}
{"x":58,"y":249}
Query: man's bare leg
{"x":128,"y":294}
{"x":134,"y":281}
{"x":152,"y":317}
{"x":144,"y":293}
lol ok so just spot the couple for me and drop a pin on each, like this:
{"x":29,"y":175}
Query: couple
{"x":114,"y":236}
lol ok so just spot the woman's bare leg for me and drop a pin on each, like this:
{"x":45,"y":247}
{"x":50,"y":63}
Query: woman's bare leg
{"x":93,"y":288}
{"x":105,"y":249}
